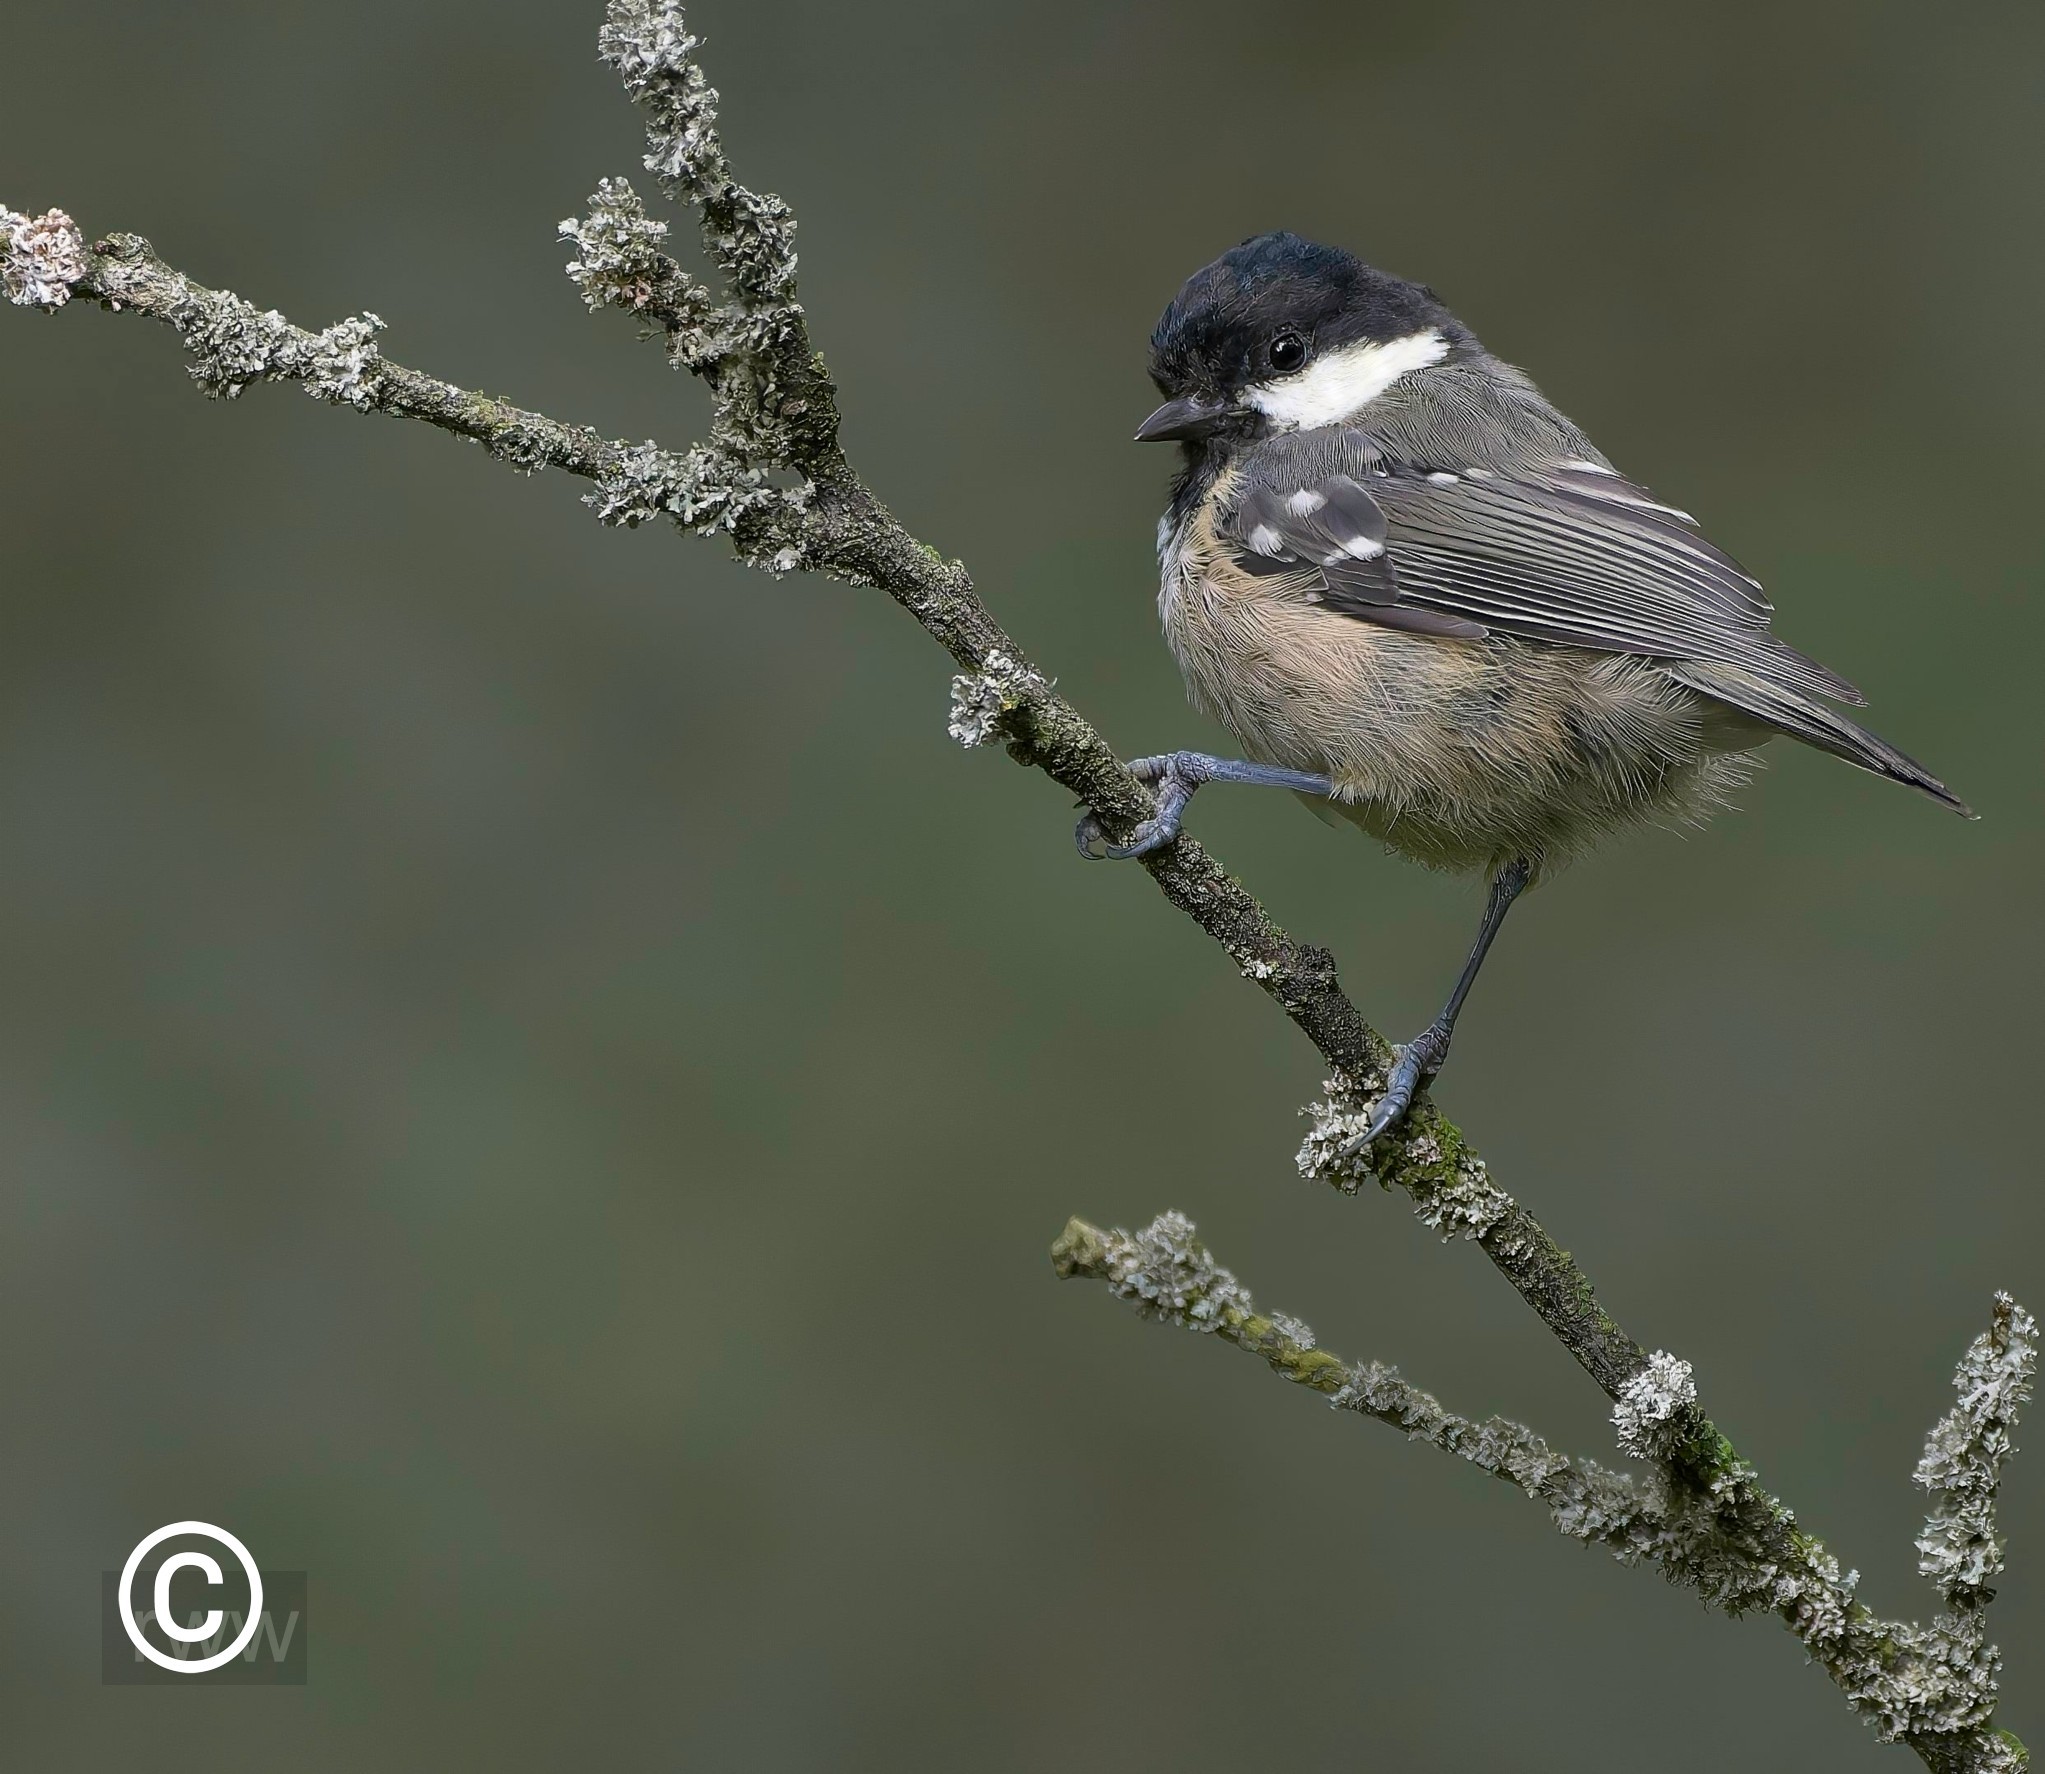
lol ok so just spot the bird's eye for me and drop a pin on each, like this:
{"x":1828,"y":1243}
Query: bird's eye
{"x":1288,"y":352}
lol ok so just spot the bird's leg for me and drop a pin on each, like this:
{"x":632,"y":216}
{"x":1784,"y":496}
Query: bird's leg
{"x":1177,"y":774}
{"x":1422,"y":1057}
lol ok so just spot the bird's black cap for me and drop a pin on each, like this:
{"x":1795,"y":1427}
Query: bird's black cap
{"x":1217,"y":334}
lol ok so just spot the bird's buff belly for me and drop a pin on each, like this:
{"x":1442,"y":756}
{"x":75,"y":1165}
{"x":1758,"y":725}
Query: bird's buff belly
{"x":1461,"y":754}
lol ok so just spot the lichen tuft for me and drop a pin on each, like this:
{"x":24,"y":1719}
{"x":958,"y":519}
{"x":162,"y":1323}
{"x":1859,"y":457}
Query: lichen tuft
{"x":1960,"y":1548}
{"x":1651,"y":1413}
{"x":45,"y":257}
{"x":1333,"y":1151}
{"x":982,"y":700}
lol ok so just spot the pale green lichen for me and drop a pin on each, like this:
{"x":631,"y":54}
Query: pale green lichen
{"x":342,"y":365}
{"x":619,"y":263}
{"x":42,"y":258}
{"x":701,"y":489}
{"x":1652,"y":1406}
{"x":1163,"y":1271}
{"x":1451,"y":1189}
{"x":982,"y":700}
{"x":1960,"y":1549}
{"x":1334,"y":1151}
{"x":233,"y":345}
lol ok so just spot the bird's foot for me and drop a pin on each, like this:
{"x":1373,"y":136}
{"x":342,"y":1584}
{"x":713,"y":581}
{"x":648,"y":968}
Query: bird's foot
{"x":1176,"y":775}
{"x":1417,"y":1063}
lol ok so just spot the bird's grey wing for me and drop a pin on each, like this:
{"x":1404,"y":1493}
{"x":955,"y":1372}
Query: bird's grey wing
{"x":1580,"y":556}
{"x":1328,"y":532}
{"x":1574,"y":554}
{"x":1569,"y":553}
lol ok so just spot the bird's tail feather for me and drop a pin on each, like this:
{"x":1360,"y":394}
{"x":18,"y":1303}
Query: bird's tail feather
{"x":1780,"y":707}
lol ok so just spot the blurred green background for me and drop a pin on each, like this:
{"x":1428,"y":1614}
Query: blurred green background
{"x":535,"y":1082}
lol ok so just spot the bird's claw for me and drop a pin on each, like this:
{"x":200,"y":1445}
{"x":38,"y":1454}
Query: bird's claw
{"x":1175,"y":789}
{"x":1417,"y":1062}
{"x":1152,"y":834}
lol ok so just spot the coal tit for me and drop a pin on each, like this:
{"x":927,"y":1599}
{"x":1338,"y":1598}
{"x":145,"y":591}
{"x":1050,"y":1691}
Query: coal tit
{"x":1421,"y":598}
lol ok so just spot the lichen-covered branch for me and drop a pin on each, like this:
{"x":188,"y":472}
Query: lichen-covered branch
{"x":1960,"y":1549}
{"x":1931,"y":1687}
{"x":770,"y":477}
{"x":1166,"y":1273}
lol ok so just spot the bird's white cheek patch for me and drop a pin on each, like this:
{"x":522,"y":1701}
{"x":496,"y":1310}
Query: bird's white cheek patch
{"x":1342,"y":384}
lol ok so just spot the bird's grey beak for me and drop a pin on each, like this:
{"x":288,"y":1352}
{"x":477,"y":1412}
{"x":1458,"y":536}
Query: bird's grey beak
{"x":1187,"y":417}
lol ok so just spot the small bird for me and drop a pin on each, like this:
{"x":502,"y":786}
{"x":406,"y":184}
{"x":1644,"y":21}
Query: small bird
{"x":1422,"y":600}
